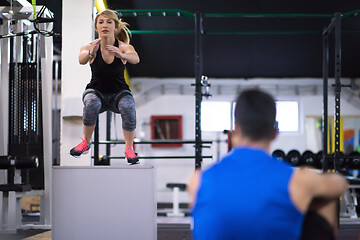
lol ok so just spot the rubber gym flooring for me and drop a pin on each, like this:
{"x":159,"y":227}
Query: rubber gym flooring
{"x":173,"y":231}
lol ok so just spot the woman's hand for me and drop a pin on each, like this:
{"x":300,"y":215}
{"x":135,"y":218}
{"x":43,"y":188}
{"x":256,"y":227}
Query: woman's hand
{"x":94,"y":46}
{"x":116,"y":51}
{"x":88,"y":51}
{"x":125,"y":52}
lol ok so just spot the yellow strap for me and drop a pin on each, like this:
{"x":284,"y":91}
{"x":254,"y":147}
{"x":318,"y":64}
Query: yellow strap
{"x":100,"y":5}
{"x":34,"y":7}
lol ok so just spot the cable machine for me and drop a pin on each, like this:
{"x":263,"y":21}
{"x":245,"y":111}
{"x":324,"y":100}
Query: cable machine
{"x":25,"y":132}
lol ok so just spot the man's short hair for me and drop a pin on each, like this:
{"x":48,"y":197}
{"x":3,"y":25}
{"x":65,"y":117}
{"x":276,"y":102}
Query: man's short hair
{"x":255,"y":114}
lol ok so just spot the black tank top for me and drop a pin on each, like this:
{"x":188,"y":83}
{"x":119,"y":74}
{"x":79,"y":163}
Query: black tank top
{"x":107,"y":78}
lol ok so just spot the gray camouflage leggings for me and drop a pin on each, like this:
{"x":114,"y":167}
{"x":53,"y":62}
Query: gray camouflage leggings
{"x":122,"y":102}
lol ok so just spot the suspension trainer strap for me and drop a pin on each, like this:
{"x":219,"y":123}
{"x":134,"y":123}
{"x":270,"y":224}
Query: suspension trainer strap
{"x":34,"y":7}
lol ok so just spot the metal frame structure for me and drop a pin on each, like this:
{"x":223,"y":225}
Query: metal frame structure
{"x":336,"y":158}
{"x":107,"y":143}
{"x":12,"y":36}
{"x":335,"y":23}
{"x":199,"y":32}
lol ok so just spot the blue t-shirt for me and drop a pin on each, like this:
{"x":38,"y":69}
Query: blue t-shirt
{"x":246,"y":196}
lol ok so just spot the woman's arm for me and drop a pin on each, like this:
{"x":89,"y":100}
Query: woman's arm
{"x":307,"y":184}
{"x":88,"y":51}
{"x":329,"y":185}
{"x":125,"y":52}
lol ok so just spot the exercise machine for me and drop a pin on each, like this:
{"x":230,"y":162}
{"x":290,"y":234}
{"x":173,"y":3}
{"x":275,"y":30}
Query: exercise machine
{"x":25,"y":112}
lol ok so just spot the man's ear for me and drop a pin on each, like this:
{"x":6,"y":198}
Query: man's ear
{"x":235,"y":136}
{"x":275,"y":134}
{"x":237,"y":130}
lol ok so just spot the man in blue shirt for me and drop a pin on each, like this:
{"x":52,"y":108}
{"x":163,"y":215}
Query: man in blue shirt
{"x":250,"y":195}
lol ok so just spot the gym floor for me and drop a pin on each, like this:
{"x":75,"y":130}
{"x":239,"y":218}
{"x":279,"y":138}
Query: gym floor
{"x":176,"y":228}
{"x":349,"y":231}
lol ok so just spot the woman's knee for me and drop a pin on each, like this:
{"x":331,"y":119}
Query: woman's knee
{"x":128,"y":114}
{"x":129,"y":125}
{"x":92,"y":101}
{"x":92,"y":106}
{"x":126,"y":105}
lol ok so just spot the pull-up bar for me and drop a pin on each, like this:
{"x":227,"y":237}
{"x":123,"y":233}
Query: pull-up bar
{"x":354,"y":13}
{"x":266,"y":15}
{"x":155,"y":13}
{"x":191,"y":15}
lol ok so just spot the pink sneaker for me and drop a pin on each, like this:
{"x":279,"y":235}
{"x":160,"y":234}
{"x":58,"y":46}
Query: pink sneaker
{"x":130,"y":155}
{"x":81,"y":148}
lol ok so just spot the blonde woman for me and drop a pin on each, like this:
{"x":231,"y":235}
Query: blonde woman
{"x":107,"y":90}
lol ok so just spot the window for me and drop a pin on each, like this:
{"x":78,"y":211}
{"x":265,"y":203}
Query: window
{"x":215,"y":116}
{"x":287,"y":116}
{"x":166,"y":128}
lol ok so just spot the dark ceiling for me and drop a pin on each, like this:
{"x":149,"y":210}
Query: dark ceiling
{"x":236,"y":56}
{"x":241,"y":56}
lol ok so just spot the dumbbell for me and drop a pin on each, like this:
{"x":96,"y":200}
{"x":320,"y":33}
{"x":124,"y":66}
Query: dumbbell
{"x":319,"y":161}
{"x":278,"y":154}
{"x":293,"y":157}
{"x":308,"y":159}
{"x":354,"y":160}
{"x":103,"y":161}
{"x":342,"y":160}
{"x":19,"y":162}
